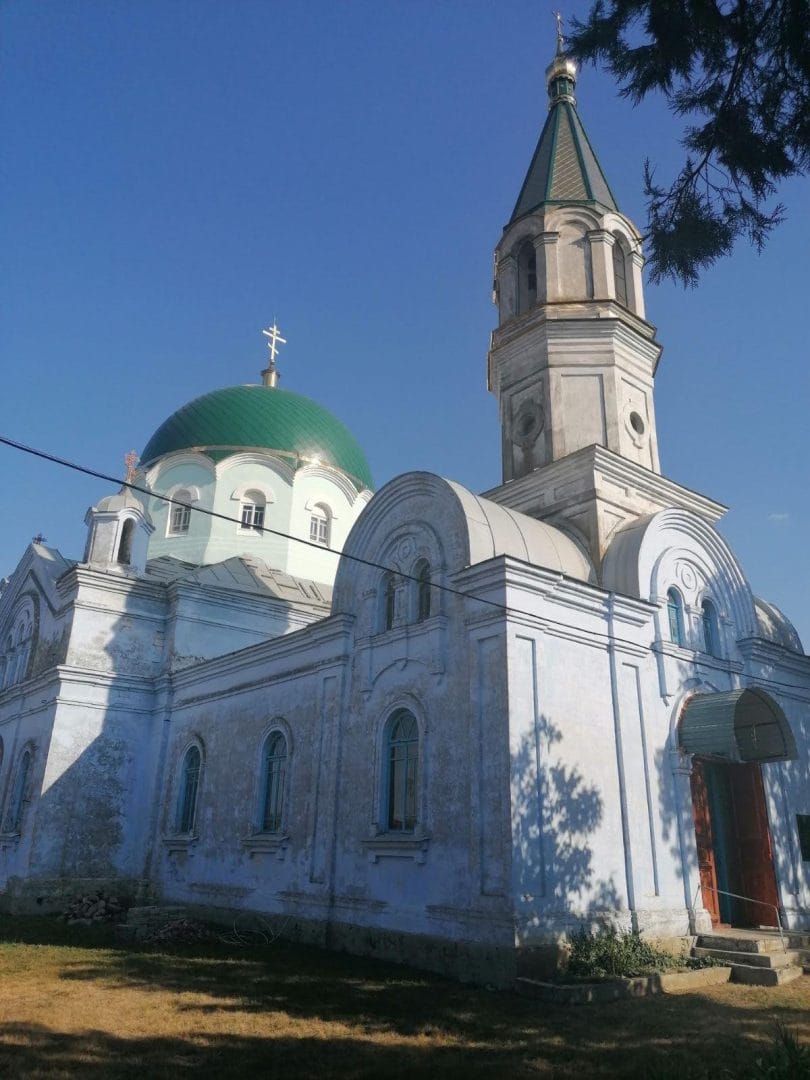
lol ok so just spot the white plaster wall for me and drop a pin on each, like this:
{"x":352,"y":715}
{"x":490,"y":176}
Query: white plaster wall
{"x":175,"y":473}
{"x":92,"y":816}
{"x":26,"y":716}
{"x":315,"y":486}
{"x":291,"y":497}
{"x":118,"y":624}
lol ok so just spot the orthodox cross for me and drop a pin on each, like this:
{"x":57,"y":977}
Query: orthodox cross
{"x":130,"y":460}
{"x":560,"y":39}
{"x":274,"y":339}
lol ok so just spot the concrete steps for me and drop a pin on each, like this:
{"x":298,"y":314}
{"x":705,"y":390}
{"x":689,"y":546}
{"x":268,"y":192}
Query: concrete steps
{"x":758,"y":958}
{"x":752,"y":959}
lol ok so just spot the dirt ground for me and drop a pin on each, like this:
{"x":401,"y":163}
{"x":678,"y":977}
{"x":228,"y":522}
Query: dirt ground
{"x":76,"y":1003}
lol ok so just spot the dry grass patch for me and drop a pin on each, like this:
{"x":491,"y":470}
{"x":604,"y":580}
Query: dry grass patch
{"x":75,"y":1003}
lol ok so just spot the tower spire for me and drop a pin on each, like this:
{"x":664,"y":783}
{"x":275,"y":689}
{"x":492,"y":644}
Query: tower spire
{"x":564,"y":168}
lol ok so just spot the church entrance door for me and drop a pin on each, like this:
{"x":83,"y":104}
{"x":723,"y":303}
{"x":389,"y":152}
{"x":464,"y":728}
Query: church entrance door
{"x":733,"y":843}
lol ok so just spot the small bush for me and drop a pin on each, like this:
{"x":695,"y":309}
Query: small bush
{"x":612,"y":952}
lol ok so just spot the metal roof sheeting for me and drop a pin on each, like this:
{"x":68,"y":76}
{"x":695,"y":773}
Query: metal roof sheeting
{"x":261,"y":417}
{"x":564,"y":168}
{"x":738,"y":726}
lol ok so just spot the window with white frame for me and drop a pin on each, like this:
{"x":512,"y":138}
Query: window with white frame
{"x":320,"y":526}
{"x":252,"y":513}
{"x":180,"y":519}
{"x":274,"y":782}
{"x":677,"y":634}
{"x":401,"y":759}
{"x":12,"y":822}
{"x":188,"y":790}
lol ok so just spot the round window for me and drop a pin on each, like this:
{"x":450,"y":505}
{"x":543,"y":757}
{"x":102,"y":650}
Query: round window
{"x":636,"y":423}
{"x":528,"y":423}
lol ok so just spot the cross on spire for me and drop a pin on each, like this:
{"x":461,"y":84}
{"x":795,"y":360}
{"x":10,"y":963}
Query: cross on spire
{"x":560,"y":39}
{"x":270,"y":374}
{"x":131,"y":461}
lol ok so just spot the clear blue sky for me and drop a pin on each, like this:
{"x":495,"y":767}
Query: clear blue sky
{"x":175,"y":174}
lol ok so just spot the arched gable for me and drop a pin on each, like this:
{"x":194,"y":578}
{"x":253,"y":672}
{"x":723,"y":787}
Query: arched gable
{"x":677,"y":547}
{"x":456,"y":529}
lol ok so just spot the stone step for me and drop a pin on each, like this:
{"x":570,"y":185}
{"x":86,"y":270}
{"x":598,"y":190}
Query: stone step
{"x":731,"y":943}
{"x":763,"y":960}
{"x":763,"y":976}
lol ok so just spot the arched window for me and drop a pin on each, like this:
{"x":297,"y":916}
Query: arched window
{"x":620,"y":271}
{"x":125,"y":543}
{"x":17,"y":650}
{"x":181,"y":514}
{"x":675,"y":616}
{"x":275,"y":782}
{"x":22,"y":649}
{"x":527,"y":277}
{"x":402,"y":753}
{"x":16,"y":805}
{"x":389,"y":600}
{"x":253,"y":504}
{"x":187,"y":793}
{"x":422,"y":575}
{"x":320,"y":525}
{"x":8,"y":663}
{"x":711,"y":635}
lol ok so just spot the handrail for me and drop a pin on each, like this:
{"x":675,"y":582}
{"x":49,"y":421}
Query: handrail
{"x":750,"y":900}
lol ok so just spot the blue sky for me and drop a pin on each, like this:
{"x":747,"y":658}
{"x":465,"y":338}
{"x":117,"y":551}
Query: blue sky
{"x":177,"y":174}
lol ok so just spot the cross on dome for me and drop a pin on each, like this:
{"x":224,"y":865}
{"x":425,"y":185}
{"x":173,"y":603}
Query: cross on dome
{"x":274,"y":334}
{"x":270,"y":374}
{"x":131,"y":461}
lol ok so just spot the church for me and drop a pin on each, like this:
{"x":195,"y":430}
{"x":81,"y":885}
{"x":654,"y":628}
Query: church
{"x":424,"y":723}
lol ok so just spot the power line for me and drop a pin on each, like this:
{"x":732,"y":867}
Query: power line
{"x":96,"y":474}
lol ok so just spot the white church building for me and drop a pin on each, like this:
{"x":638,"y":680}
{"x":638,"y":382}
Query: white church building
{"x":492,"y":719}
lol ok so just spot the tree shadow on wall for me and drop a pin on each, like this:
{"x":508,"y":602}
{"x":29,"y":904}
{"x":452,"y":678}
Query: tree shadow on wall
{"x":555,"y":814}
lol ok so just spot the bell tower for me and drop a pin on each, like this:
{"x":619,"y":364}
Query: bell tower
{"x":573,"y":359}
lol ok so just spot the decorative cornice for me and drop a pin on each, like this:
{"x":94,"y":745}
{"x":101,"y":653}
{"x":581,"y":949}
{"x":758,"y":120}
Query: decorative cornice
{"x":594,"y":464}
{"x":577,"y":318}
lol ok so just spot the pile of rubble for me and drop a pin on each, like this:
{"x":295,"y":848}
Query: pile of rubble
{"x":97,"y":907}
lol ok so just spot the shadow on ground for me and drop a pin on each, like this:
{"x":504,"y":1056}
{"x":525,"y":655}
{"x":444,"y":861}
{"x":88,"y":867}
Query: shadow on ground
{"x":330,"y":1015}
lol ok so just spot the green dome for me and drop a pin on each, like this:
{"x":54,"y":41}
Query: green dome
{"x":250,"y":417}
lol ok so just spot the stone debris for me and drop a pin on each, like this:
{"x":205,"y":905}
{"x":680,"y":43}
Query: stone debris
{"x":91,"y":908}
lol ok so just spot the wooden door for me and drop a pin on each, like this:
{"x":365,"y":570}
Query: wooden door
{"x":704,"y":840}
{"x":753,"y":842}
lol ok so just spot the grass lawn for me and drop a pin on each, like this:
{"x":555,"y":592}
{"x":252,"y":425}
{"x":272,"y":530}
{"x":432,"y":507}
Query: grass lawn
{"x":75,"y":1003}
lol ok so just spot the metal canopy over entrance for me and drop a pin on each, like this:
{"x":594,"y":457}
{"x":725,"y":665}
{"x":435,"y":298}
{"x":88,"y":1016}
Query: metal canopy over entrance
{"x":738,"y":726}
